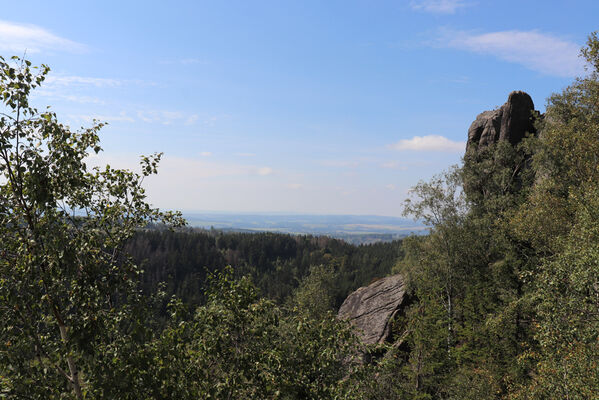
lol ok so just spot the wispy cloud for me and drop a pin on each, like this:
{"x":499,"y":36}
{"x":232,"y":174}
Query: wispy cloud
{"x":75,"y":89}
{"x":17,"y":38}
{"x":183,"y":168}
{"x":165,"y":117}
{"x":161,"y":117}
{"x":211,"y":169}
{"x":394,"y":165}
{"x":206,"y":153}
{"x":534,"y":50}
{"x":71,"y":80}
{"x":429,"y":143}
{"x":61,"y":95}
{"x":339,"y":163}
{"x":190,"y":61}
{"x":438,"y":6}
{"x":191,"y":119}
{"x":88,"y":118}
{"x":460,"y":79}
{"x":185,"y":61}
{"x":213,"y":120}
{"x":263,"y":171}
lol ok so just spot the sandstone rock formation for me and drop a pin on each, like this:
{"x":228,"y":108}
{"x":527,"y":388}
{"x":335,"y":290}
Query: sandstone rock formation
{"x":370,"y":309}
{"x":509,"y":122}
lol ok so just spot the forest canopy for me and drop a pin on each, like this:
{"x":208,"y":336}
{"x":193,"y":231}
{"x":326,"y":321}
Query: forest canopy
{"x":504,"y":289}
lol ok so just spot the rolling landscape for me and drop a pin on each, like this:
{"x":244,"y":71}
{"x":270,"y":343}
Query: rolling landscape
{"x":299,"y":200}
{"x":357,"y":229}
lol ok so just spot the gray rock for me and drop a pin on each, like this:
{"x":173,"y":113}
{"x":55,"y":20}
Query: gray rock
{"x":371,"y":308}
{"x":509,"y":122}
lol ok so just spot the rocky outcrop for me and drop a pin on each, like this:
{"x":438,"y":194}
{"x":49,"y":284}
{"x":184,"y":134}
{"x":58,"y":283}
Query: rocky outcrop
{"x":509,"y":122}
{"x":370,"y":309}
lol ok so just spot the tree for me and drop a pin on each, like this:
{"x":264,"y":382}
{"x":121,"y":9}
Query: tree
{"x":441,"y":206}
{"x":465,"y":325}
{"x":67,"y":291}
{"x":241,"y":346}
{"x":561,"y":222}
{"x":314,"y":296}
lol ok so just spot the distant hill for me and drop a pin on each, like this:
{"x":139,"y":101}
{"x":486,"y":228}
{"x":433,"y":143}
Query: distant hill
{"x":356,"y":229}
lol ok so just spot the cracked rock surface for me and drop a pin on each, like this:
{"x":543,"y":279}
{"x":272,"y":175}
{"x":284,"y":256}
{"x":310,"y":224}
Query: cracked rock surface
{"x":509,"y":122}
{"x":371,"y":308}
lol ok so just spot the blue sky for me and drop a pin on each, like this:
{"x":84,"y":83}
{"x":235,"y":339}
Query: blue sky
{"x":329,"y":107}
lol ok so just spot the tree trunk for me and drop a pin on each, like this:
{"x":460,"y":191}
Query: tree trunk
{"x":74,"y":378}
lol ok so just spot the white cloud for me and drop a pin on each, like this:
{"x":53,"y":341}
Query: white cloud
{"x":60,"y":95}
{"x":192,"y":119}
{"x":18,"y":38}
{"x":214,"y":119}
{"x":182,"y":169}
{"x":120,"y":117}
{"x":438,"y":6}
{"x":74,"y":89}
{"x":165,"y":117}
{"x":188,"y":61}
{"x":185,"y":61}
{"x":534,"y":50}
{"x":429,"y":143}
{"x":264,"y":171}
{"x":394,"y":165}
{"x":207,"y":169}
{"x":150,"y":116}
{"x":81,"y":99}
{"x":69,"y":80}
{"x":390,"y":186}
{"x":339,"y":163}
{"x":205,"y":154}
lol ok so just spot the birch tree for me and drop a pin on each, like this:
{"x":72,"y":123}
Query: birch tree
{"x":66,"y":289}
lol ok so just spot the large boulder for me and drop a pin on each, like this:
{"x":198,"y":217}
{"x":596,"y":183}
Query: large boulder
{"x":509,"y":122}
{"x":370,"y":309}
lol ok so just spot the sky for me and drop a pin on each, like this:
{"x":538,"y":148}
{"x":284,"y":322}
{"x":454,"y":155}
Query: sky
{"x":319,"y":107}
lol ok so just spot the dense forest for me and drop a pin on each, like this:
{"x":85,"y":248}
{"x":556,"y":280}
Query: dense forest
{"x":275,"y":262}
{"x":504,"y":289}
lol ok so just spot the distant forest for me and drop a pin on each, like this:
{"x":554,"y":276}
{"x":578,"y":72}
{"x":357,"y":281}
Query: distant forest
{"x":276,"y":262}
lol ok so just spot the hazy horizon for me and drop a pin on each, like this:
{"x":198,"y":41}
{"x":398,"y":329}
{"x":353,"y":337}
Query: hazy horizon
{"x":285,"y":213}
{"x":287,"y":107}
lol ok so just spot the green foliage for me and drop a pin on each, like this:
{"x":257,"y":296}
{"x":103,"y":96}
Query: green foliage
{"x":239,"y":345}
{"x":75,"y":323}
{"x":519,"y":262}
{"x":562,"y":222}
{"x":449,"y":274}
{"x":503,"y":291}
{"x":66,"y":290}
{"x":497,"y":177}
{"x":314,"y":296}
{"x":567,"y":312}
{"x":468,"y":325}
{"x":275,"y":262}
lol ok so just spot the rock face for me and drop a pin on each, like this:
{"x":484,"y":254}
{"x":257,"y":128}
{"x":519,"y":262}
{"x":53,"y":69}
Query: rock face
{"x":509,"y":122}
{"x":371,"y":308}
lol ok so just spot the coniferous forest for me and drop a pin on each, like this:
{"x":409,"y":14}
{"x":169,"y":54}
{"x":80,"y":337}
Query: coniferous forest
{"x":104,"y":297}
{"x":276,"y":263}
